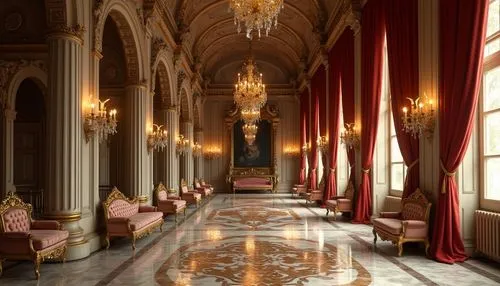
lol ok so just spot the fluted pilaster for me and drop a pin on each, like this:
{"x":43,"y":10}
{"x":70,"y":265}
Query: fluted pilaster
{"x":171,"y":170}
{"x":187,"y":163}
{"x":64,"y":124}
{"x":198,"y":161}
{"x":137,"y":181}
{"x":8,"y":155}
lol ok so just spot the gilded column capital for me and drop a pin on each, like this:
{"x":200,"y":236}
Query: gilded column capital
{"x":75,"y":32}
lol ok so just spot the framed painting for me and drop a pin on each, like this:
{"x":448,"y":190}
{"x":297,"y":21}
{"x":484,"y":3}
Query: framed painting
{"x":257,"y":155}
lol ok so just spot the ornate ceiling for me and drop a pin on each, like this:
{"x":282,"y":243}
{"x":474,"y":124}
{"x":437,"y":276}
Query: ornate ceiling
{"x":208,"y":32}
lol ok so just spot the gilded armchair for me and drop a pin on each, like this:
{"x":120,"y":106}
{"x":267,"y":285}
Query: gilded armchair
{"x":313,"y":195}
{"x":298,"y":190}
{"x":190,"y":197}
{"x":203,"y":190}
{"x":169,"y":204}
{"x":411,"y":224}
{"x":341,"y":203}
{"x":22,"y":238}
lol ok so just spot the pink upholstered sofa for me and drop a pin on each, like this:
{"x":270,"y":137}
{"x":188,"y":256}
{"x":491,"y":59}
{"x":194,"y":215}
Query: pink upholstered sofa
{"x":22,"y":238}
{"x":169,"y":204}
{"x":126,"y":218}
{"x":252,"y":183}
{"x":411,"y":224}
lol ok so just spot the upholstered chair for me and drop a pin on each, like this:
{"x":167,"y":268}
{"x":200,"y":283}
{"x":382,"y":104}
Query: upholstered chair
{"x":341,"y":203}
{"x":298,"y":190}
{"x":205,"y":185}
{"x":190,"y":197}
{"x":169,"y":204}
{"x":314,"y":195}
{"x":204,"y":191}
{"x":22,"y":238}
{"x":410,"y":224}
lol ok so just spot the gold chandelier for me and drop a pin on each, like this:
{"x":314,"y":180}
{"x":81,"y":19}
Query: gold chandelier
{"x":250,"y":92}
{"x":256,"y":14}
{"x":250,"y":115}
{"x":250,"y":132}
{"x":420,"y":118}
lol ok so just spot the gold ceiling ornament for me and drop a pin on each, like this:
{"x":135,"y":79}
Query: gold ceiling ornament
{"x":257,"y":15}
{"x":250,"y":132}
{"x":250,"y":92}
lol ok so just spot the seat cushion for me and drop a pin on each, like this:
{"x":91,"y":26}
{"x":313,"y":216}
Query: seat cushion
{"x":178,"y":203}
{"x":331,"y":204}
{"x":43,"y":239}
{"x":141,"y":220}
{"x":197,"y":196}
{"x":390,"y":225}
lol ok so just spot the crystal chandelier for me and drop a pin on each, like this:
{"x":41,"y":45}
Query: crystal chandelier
{"x":182,"y":145}
{"x":197,"y":149}
{"x":256,"y":14}
{"x":323,"y":144}
{"x":99,"y":122}
{"x":419,"y":120}
{"x":250,"y":115}
{"x":212,"y":152}
{"x":250,"y":132}
{"x":250,"y":92}
{"x":157,"y":138}
{"x":350,"y":136}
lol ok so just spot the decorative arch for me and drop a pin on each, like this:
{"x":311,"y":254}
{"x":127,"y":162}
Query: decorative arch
{"x":185,"y":102}
{"x":128,"y":23}
{"x":163,"y":66}
{"x":23,"y":70}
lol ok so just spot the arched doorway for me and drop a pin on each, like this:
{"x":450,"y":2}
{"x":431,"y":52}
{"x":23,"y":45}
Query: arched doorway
{"x":29,"y":144}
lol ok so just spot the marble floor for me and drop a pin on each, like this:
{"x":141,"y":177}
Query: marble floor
{"x":256,"y":239}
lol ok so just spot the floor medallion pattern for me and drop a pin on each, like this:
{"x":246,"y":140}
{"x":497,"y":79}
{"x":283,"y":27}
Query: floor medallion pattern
{"x":261,"y":260}
{"x":251,"y":217}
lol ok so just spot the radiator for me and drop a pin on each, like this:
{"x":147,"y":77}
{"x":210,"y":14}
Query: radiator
{"x":488,"y":234}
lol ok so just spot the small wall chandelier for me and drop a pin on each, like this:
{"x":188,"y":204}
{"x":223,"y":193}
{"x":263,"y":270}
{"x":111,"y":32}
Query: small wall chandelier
{"x":306,"y":148}
{"x":419,"y":120}
{"x":256,"y":14}
{"x":197,"y":149}
{"x":99,"y":122}
{"x":323,"y":144}
{"x":212,"y":152}
{"x":182,"y":145}
{"x":157,"y":138}
{"x":350,"y":136}
{"x":250,"y":131}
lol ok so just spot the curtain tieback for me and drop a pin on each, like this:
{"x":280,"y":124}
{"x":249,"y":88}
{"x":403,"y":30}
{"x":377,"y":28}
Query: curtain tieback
{"x":332,"y":170}
{"x":413,"y":164}
{"x":366,"y":171}
{"x":448,"y":174}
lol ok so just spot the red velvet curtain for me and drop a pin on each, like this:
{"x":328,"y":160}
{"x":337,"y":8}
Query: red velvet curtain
{"x":347,"y":85}
{"x":304,"y":114}
{"x":334,"y":63}
{"x":372,"y":50}
{"x":402,"y":50}
{"x":313,"y":184}
{"x":321,"y":90}
{"x":462,"y":34}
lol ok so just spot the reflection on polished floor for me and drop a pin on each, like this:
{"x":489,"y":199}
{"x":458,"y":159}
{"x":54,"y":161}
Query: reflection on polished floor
{"x":256,"y":240}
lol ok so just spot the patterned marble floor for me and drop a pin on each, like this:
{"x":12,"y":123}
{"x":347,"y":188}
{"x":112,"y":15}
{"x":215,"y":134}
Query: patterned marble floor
{"x":256,"y":239}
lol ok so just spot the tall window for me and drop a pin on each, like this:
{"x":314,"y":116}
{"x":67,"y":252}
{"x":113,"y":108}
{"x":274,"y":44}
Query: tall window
{"x":489,"y":110}
{"x":398,"y":167}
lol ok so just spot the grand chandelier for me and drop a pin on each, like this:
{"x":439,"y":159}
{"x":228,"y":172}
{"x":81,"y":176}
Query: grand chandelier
{"x":256,"y":14}
{"x":99,"y":122}
{"x":250,"y":115}
{"x":250,"y":92}
{"x":250,"y":132}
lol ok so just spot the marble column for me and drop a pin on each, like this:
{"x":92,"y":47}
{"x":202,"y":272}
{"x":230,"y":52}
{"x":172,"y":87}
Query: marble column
{"x":137,"y":159}
{"x":187,"y":166}
{"x":171,"y":175}
{"x":8,"y":152}
{"x":64,"y":143}
{"x":198,"y":161}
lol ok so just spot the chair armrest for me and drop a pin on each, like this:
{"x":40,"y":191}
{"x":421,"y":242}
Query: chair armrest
{"x":118,"y":220}
{"x":46,"y":224}
{"x":15,"y":235}
{"x":390,"y":214}
{"x":173,"y":197}
{"x":147,"y":209}
{"x":413,"y":224}
{"x":165,"y":203}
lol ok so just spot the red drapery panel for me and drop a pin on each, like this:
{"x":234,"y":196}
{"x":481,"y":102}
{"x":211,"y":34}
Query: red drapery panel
{"x":304,"y":114}
{"x":314,"y":144}
{"x":321,"y":90}
{"x":372,"y":48}
{"x":347,"y":84}
{"x":462,"y":34}
{"x":402,"y":50}
{"x":333,"y":118}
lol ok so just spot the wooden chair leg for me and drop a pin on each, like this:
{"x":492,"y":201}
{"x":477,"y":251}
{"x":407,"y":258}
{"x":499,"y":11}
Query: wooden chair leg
{"x":38,"y":261}
{"x":375,"y":236}
{"x":107,"y":241}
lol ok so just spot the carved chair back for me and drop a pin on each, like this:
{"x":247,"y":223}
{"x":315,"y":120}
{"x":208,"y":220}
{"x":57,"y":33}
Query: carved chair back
{"x":118,"y":205}
{"x":184,"y":187}
{"x":349,"y":192}
{"x":415,"y":207}
{"x":197,"y":183}
{"x":161,"y":193}
{"x":15,"y":215}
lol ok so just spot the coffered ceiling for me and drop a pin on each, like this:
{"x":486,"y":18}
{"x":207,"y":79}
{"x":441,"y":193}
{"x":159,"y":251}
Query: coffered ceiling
{"x":208,"y":32}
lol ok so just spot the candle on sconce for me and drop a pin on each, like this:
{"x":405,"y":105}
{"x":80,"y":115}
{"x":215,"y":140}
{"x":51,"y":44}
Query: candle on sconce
{"x":405,"y":112}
